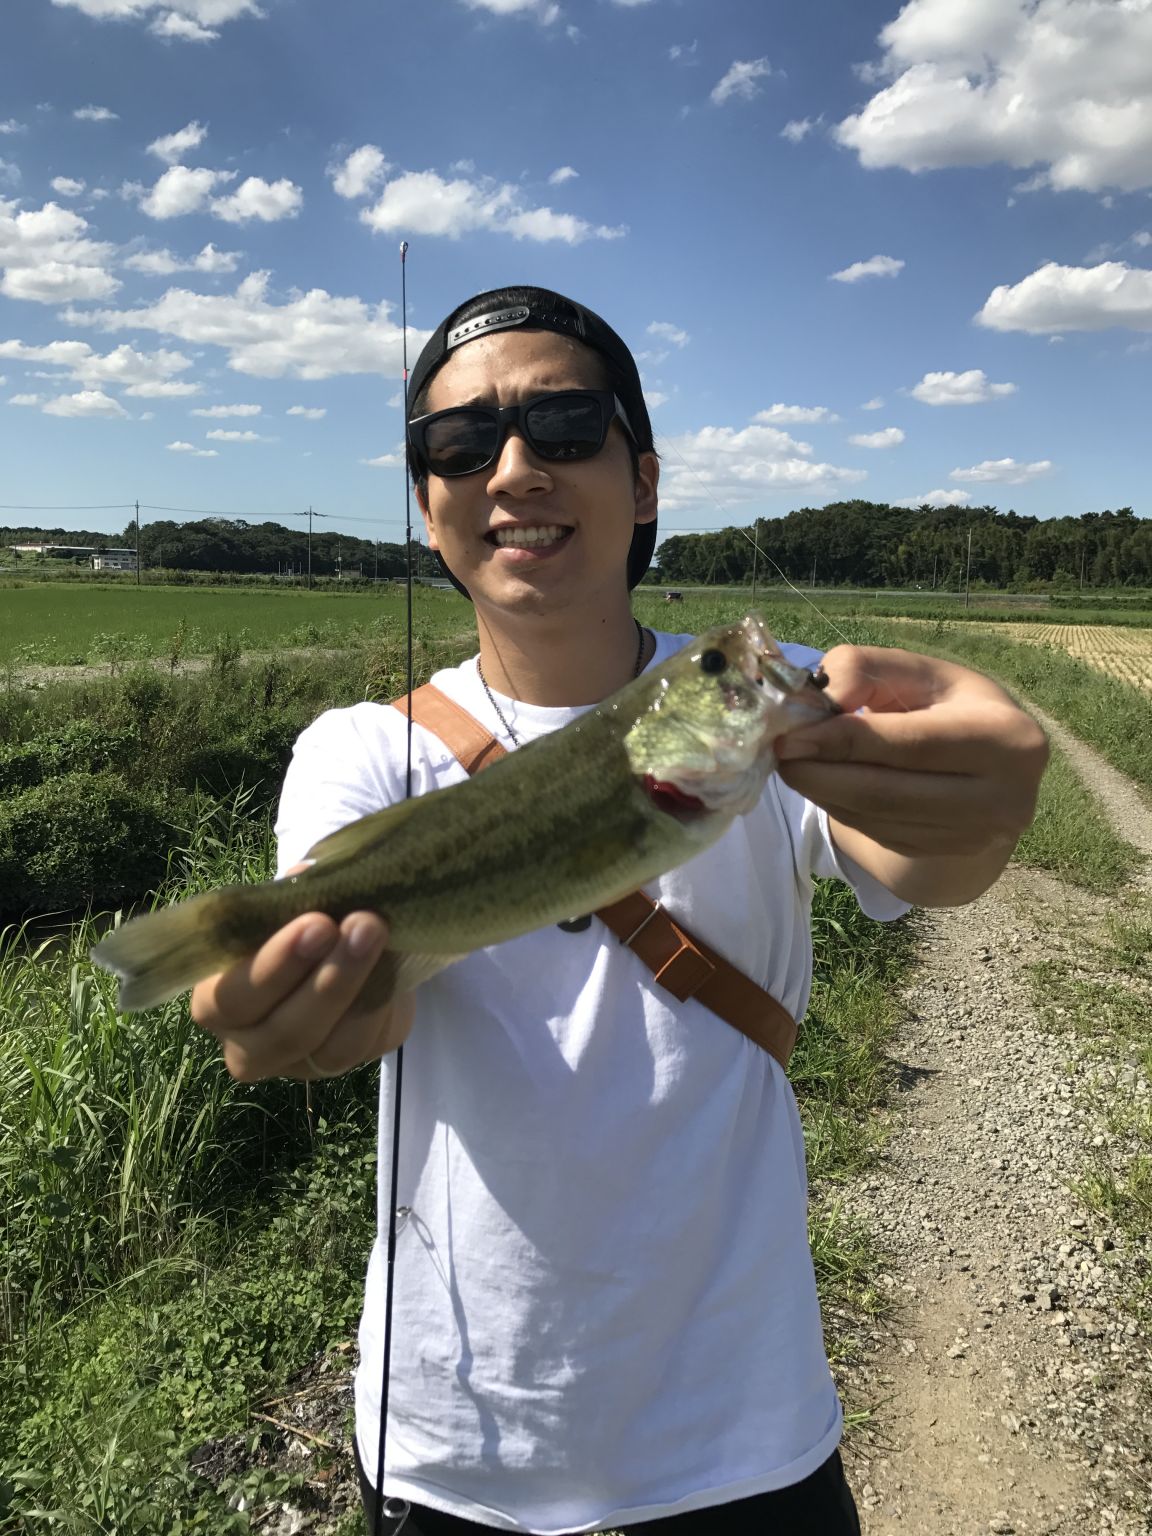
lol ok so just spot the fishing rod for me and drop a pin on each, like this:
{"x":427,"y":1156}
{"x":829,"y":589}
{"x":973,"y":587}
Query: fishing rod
{"x":396,"y":1511}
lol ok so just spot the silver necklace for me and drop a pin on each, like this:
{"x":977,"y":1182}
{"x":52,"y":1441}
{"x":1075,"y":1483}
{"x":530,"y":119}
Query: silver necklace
{"x":641,"y":639}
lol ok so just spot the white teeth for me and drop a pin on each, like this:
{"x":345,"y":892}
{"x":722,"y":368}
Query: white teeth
{"x":527,"y":538}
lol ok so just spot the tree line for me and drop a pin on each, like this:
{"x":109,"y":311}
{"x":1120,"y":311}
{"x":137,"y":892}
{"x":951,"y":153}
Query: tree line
{"x":232,"y":544}
{"x":873,"y":544}
{"x":847,"y":543}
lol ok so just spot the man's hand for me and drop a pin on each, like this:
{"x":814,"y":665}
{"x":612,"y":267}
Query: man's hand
{"x":290,"y":1009}
{"x":929,"y":787}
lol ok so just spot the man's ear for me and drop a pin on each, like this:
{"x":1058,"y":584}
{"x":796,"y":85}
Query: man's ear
{"x":420,"y":488}
{"x":647,"y":480}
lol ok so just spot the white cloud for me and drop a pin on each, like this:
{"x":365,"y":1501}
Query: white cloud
{"x":87,"y":403}
{"x":875,"y":404}
{"x":360,"y":173}
{"x":197,"y":453}
{"x":217,"y":412}
{"x":545,"y":11}
{"x":1056,"y":298}
{"x":385,"y":461}
{"x":740,"y":81}
{"x":308,"y":412}
{"x":544,"y":224}
{"x":1142,"y":237}
{"x":424,"y":203}
{"x":221,"y":435}
{"x":1065,"y":85}
{"x":48,"y":257}
{"x":260,"y":199}
{"x":148,"y":374}
{"x":875,"y":266}
{"x":798,"y":129}
{"x":739,"y":465}
{"x":1004,"y":471}
{"x":887,"y":437}
{"x":190,"y":20}
{"x":172,"y":147}
{"x":9,"y":173}
{"x":683,"y":53}
{"x":95,"y":115}
{"x":182,"y":189}
{"x":970,"y":388}
{"x":66,"y":186}
{"x":562,"y":174}
{"x":796,"y":415}
{"x":669,"y":332}
{"x":180,"y":28}
{"x":25,"y":399}
{"x":10,"y":125}
{"x":164,"y":263}
{"x":655,"y":398}
{"x":313,"y":336}
{"x":936,"y":499}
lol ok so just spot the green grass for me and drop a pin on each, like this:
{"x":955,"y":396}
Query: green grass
{"x":1073,"y":838}
{"x":65,"y":624}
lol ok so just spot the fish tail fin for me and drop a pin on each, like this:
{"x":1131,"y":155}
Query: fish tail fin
{"x":163,"y":953}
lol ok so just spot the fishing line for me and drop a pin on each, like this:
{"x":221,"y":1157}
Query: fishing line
{"x":396,"y":1511}
{"x":825,"y":618}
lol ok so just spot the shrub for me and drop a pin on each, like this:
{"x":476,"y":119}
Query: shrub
{"x":81,"y":837}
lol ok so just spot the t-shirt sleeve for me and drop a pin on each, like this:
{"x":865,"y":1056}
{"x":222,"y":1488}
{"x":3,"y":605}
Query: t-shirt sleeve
{"x":334,"y":778}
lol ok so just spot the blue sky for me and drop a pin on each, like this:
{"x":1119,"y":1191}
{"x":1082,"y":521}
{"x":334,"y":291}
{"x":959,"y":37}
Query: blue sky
{"x":863,"y":249}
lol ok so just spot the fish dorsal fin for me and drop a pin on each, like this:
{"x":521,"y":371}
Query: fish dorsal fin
{"x":358,"y":836}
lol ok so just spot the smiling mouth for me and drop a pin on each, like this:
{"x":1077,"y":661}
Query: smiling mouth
{"x":528,"y":538}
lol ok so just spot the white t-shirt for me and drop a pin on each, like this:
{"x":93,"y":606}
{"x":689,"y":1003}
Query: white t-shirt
{"x":605,"y":1308}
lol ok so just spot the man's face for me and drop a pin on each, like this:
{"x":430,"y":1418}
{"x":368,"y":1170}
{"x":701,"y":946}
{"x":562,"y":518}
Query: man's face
{"x":583,"y":512}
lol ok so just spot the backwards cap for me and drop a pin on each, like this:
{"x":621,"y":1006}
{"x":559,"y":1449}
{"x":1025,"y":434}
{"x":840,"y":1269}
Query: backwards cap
{"x":540,"y":309}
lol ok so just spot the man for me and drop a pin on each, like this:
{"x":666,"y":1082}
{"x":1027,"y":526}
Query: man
{"x":605,"y":1309}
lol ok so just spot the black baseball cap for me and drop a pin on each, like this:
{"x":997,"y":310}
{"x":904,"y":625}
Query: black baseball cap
{"x":503,"y":309}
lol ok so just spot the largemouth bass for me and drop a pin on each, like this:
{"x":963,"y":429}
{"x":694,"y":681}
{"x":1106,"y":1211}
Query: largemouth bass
{"x":570,"y":822}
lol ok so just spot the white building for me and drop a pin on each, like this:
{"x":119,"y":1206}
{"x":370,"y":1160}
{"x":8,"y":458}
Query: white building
{"x":114,"y":560}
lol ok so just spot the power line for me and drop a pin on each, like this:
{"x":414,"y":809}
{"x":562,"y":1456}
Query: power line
{"x":107,"y":506}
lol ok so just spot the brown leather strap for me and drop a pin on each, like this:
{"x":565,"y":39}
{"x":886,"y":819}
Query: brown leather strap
{"x":681,"y":963}
{"x":460,"y":732}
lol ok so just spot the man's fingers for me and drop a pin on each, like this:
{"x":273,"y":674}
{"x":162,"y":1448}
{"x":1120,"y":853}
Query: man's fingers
{"x":956,"y":741}
{"x":247,"y":992}
{"x":302,"y":1020}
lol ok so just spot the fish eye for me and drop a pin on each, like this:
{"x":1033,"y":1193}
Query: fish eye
{"x":713,"y":661}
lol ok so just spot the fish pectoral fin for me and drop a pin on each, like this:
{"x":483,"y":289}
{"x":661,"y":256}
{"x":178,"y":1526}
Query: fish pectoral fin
{"x":358,"y":836}
{"x":397,"y":972}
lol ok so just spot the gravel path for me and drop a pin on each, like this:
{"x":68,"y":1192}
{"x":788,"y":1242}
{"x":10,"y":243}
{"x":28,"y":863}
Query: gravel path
{"x":1011,"y":1389}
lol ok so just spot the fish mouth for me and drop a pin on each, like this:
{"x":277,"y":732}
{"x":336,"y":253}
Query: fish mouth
{"x":671,"y":799}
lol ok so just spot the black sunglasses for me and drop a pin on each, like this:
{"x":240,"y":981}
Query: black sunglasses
{"x":565,"y":425}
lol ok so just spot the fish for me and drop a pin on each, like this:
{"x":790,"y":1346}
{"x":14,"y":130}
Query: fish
{"x":568,"y":823}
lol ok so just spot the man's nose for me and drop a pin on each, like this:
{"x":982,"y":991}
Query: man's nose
{"x":517,"y":471}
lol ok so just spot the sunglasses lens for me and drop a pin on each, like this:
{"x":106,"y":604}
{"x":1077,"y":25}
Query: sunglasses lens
{"x":565,"y":427}
{"x":460,"y":442}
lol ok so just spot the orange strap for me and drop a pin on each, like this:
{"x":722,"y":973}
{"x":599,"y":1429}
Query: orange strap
{"x":681,"y":963}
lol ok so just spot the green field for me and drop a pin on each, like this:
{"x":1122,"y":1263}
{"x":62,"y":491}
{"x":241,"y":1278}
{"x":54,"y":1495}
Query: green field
{"x":65,"y":624}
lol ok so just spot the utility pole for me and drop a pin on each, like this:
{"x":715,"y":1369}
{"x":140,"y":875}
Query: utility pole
{"x":309,"y":548}
{"x":1082,"y":570}
{"x":376,"y":564}
{"x":934,"y":560}
{"x":137,"y":543}
{"x":813,"y":572}
{"x":968,"y":570}
{"x":755,"y":556}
